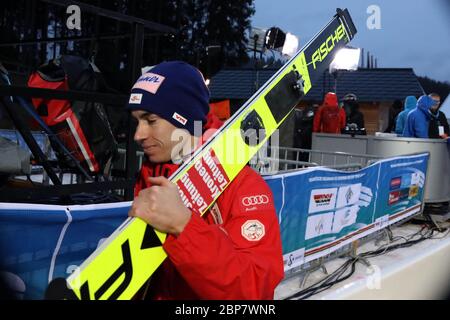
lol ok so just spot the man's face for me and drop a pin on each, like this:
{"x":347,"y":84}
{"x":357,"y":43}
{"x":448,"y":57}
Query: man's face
{"x":156,"y":136}
{"x":437,"y":101}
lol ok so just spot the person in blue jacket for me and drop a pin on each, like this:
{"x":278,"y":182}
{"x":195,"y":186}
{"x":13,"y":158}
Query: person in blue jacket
{"x":418,"y":119}
{"x":410,"y":103}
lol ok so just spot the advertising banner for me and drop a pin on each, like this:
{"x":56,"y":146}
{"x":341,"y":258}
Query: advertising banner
{"x":320,"y":210}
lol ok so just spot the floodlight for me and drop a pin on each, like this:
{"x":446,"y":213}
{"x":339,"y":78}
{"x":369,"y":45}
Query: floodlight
{"x":346,"y":59}
{"x":290,"y":45}
{"x":275,"y":38}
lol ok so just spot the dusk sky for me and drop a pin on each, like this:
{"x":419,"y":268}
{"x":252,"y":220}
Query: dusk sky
{"x":413,"y":34}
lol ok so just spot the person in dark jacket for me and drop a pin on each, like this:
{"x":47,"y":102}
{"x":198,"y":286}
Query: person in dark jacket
{"x":410,"y":103}
{"x":438,"y":127}
{"x":394,"y":111}
{"x":303,"y":130}
{"x":355,"y":118}
{"x":418,"y":119}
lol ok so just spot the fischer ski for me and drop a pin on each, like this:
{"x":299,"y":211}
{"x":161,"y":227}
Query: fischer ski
{"x":127,"y":259}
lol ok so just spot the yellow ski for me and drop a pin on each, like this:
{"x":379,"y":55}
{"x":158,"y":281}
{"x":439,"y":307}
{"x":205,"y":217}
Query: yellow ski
{"x":127,"y":259}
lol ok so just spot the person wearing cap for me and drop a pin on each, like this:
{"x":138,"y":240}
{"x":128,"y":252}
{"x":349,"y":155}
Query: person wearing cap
{"x":234,"y":250}
{"x":418,"y":119}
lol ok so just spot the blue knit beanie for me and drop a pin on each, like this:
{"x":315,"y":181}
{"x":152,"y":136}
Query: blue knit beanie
{"x":175,"y":91}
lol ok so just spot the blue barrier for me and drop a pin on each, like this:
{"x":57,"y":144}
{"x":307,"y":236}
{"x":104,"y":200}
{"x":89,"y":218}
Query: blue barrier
{"x":42,"y":242}
{"x":320,"y":210}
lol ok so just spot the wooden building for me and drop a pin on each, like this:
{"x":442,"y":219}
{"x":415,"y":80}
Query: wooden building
{"x":376,"y":89}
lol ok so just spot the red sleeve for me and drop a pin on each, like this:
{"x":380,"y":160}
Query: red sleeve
{"x":317,"y":121}
{"x":242,"y":257}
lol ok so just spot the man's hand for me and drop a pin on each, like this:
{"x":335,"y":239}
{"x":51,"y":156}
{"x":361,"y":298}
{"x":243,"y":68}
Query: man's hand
{"x":161,"y":207}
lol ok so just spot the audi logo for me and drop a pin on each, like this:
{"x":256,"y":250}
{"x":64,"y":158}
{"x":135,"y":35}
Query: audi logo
{"x":255,"y":200}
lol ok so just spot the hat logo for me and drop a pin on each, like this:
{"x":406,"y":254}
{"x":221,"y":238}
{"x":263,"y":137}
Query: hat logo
{"x":149,"y":82}
{"x":179,"y":118}
{"x":135,"y":98}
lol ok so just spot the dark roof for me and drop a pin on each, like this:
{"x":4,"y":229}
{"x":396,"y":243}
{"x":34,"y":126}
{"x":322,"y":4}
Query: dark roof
{"x":238,"y":83}
{"x":381,"y":84}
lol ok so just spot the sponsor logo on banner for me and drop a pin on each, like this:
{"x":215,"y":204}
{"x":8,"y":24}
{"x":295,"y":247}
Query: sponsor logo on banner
{"x":179,"y":118}
{"x":415,"y":178}
{"x":149,"y":82}
{"x":253,"y":230}
{"x":294,"y":259}
{"x":322,"y":199}
{"x":395,"y":183}
{"x":348,"y":195}
{"x":318,"y":225}
{"x":394,"y":197}
{"x":382,"y":222}
{"x":406,"y":181}
{"x":413,"y":191}
{"x":345,"y":217}
{"x":135,"y":98}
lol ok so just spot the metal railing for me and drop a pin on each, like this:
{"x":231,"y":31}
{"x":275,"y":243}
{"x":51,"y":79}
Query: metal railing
{"x":281,"y":159}
{"x":120,"y":162}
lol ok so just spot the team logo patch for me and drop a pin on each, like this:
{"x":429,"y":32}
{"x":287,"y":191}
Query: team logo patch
{"x":135,"y":98}
{"x":253,"y":230}
{"x":253,"y":202}
{"x":149,"y":82}
{"x":179,"y":118}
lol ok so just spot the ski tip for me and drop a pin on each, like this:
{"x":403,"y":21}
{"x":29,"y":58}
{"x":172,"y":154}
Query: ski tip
{"x":58,"y":289}
{"x":344,"y":15}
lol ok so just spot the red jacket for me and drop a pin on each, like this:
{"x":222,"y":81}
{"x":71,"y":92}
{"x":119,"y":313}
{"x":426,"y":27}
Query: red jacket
{"x":329,"y":118}
{"x":232,"y":252}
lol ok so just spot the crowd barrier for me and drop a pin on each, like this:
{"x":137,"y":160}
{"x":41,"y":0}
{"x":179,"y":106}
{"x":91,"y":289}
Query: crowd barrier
{"x":437,"y":189}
